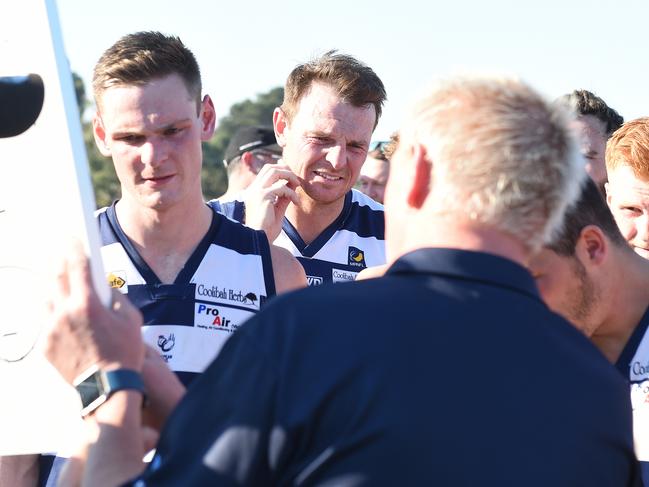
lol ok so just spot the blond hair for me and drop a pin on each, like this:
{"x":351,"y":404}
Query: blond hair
{"x":355,"y":82}
{"x":138,"y":58}
{"x":501,"y":155}
{"x":629,"y":146}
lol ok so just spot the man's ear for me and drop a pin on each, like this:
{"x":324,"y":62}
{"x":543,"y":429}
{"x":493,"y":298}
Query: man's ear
{"x":251,"y":162}
{"x":592,"y":247}
{"x":208,"y":118}
{"x":420,"y":182}
{"x":280,"y":124}
{"x":100,"y":135}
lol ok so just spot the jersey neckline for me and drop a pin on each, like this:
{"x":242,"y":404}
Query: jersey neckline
{"x":309,"y":250}
{"x":187,"y":271}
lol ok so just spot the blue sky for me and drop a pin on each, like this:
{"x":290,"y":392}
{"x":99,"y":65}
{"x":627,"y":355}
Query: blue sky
{"x":245,"y":48}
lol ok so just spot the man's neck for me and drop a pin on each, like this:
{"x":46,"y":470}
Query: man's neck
{"x":627,"y":286}
{"x":447,"y":231}
{"x":166,"y":238}
{"x":310,"y":218}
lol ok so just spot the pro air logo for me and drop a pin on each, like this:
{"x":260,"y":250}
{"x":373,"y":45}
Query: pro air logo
{"x":166,"y":343}
{"x":356,"y":257}
{"x":211,"y":318}
{"x":117,"y":280}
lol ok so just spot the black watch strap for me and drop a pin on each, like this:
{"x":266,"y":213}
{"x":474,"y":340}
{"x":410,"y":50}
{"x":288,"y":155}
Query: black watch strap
{"x":124,"y":379}
{"x":95,"y":386}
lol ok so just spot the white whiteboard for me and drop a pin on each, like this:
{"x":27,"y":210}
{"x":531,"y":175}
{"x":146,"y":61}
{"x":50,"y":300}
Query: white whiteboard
{"x":46,"y":199}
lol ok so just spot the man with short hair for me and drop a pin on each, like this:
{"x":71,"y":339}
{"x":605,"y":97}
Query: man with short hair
{"x":249,"y":149}
{"x":595,"y":123}
{"x":588,"y":274}
{"x":161,"y":241}
{"x":307,"y":204}
{"x":374,"y":174}
{"x":195,"y":275}
{"x":449,"y":370}
{"x":627,"y":191}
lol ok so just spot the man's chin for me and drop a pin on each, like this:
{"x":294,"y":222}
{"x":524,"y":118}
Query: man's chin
{"x":324,"y":196}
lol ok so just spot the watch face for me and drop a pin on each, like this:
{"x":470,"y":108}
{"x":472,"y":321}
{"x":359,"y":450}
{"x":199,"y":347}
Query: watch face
{"x":90,"y":389}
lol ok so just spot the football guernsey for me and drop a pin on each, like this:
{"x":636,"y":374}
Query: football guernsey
{"x":224,"y":282}
{"x":355,"y":240}
{"x":634,"y":365}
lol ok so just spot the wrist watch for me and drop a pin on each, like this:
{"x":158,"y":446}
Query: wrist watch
{"x":95,"y":386}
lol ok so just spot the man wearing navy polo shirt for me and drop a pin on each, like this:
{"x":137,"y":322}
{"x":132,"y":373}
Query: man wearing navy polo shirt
{"x":449,"y":370}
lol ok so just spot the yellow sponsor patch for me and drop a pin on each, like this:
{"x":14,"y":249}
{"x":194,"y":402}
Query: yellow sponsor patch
{"x":115,"y":281}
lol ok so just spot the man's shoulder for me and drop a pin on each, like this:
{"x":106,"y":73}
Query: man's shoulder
{"x":360,"y":199}
{"x":235,"y":235}
{"x":234,"y":210}
{"x":364,"y":217}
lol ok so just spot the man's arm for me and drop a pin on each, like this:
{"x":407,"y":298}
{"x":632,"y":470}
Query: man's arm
{"x":164,"y":390}
{"x":289,"y":273}
{"x":85,"y":333}
{"x":19,"y":470}
{"x":116,"y":455}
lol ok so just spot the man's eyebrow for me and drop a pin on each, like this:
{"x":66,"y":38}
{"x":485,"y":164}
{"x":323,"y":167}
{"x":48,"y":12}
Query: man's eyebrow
{"x":173,"y":124}
{"x":358,"y":143}
{"x":162,"y":128}
{"x":125,"y":132}
{"x":318,"y":133}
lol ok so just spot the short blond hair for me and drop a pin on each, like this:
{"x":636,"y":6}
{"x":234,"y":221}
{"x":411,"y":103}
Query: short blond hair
{"x":501,"y":155}
{"x":353,"y":81}
{"x":138,"y":58}
{"x":629,"y":146}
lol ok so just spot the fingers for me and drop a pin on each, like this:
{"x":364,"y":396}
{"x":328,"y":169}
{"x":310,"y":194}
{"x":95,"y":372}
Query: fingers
{"x":125,"y":311}
{"x":149,"y":438}
{"x":61,"y":288}
{"x":81,"y":289}
{"x":281,"y":190}
{"x":271,"y":173}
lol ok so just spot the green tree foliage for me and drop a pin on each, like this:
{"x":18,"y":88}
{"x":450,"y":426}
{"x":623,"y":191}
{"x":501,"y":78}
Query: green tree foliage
{"x":102,"y":173}
{"x":80,"y":92}
{"x":248,"y":112}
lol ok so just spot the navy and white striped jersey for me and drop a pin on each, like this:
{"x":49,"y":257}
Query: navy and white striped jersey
{"x":224,"y":282}
{"x":355,"y":240}
{"x":634,"y":365}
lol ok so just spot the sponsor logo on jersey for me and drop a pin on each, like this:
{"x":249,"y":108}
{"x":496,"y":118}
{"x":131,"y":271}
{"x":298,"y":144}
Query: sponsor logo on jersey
{"x":233,"y":295}
{"x":117,"y":280}
{"x":640,"y":395}
{"x":639,"y":370}
{"x":166,"y":343}
{"x":339,"y":275}
{"x":314,"y":280}
{"x":211,"y":318}
{"x":356,"y":257}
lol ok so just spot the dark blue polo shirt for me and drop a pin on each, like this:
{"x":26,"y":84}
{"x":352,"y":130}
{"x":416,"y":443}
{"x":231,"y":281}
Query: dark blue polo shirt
{"x":447,"y":371}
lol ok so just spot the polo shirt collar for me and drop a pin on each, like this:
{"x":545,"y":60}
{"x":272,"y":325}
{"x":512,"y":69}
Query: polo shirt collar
{"x":465,"y":264}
